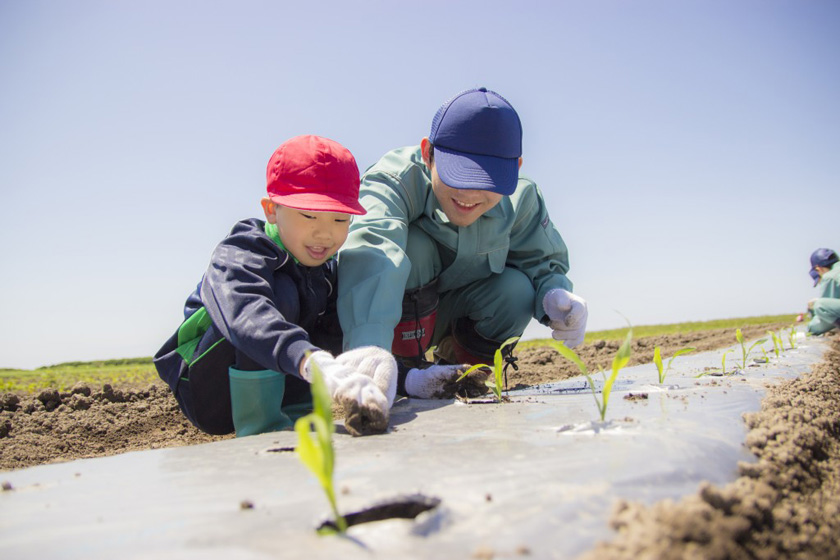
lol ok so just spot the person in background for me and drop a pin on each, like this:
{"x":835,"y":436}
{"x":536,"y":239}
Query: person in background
{"x":456,"y":250}
{"x":263,"y":317}
{"x":824,"y":310}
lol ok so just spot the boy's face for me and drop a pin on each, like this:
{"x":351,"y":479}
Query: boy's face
{"x":311,"y":237}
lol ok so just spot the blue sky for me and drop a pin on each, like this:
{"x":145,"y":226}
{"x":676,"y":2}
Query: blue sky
{"x":688,"y":151}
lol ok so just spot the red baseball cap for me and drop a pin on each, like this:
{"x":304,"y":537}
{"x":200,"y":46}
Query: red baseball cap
{"x":314,"y":173}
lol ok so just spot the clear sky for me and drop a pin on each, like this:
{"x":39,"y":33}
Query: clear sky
{"x":689,"y":151}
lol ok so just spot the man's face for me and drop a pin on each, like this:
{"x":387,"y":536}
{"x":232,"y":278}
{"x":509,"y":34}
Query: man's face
{"x":462,"y":206}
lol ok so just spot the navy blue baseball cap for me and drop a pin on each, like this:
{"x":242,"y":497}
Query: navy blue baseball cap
{"x":477,"y":138}
{"x":821,"y":257}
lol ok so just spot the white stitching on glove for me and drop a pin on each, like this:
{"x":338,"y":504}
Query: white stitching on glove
{"x":376,"y":363}
{"x":567,"y":315}
{"x":366,"y":409}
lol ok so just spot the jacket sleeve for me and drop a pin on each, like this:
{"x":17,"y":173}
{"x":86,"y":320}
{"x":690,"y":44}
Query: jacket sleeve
{"x":372,"y":265}
{"x":238,"y":293}
{"x":536,"y":247}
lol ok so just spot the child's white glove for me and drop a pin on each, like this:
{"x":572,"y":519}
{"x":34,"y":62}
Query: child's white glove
{"x":376,"y":363}
{"x":567,"y":315}
{"x":439,"y":382}
{"x":366,"y":409}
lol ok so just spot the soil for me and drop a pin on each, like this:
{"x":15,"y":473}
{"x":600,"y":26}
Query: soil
{"x":787,"y":505}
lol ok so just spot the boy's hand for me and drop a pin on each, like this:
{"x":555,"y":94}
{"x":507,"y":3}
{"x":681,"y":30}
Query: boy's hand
{"x":567,"y":315}
{"x":376,"y":363}
{"x":366,"y":408}
{"x":440,"y":382}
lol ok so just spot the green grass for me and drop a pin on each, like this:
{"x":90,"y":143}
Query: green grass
{"x":141,"y":372}
{"x":656,"y":330}
{"x":134,"y":371}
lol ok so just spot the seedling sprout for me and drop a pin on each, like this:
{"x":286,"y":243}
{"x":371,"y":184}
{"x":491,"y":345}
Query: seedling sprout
{"x":317,"y":453}
{"x":657,"y":359}
{"x":778,"y":346}
{"x":498,"y":369}
{"x":744,"y":352}
{"x":619,"y":361}
{"x":792,"y":336}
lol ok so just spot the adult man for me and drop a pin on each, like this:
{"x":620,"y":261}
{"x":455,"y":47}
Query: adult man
{"x":825,"y":310}
{"x":456,"y":250}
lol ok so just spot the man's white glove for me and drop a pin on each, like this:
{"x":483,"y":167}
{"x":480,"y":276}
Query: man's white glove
{"x":567,"y":315}
{"x":440,"y":382}
{"x":366,"y":409}
{"x":376,"y":363}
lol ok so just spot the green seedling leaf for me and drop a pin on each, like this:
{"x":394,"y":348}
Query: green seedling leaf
{"x":792,"y":336}
{"x":620,"y":360}
{"x":570,"y":355}
{"x":317,"y":453}
{"x":476,"y":367}
{"x":777,"y":343}
{"x":657,"y":359}
{"x":723,"y":361}
{"x":497,"y":384}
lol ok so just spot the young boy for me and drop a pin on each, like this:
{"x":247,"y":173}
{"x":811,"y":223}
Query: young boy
{"x":264,"y":314}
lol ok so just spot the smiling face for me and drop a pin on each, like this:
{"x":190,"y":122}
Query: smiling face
{"x":311,"y":237}
{"x":462,"y":206}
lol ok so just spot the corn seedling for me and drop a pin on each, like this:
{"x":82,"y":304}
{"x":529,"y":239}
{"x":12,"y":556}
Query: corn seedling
{"x":766,"y":357}
{"x":778,"y":346}
{"x":317,"y":453}
{"x":498,"y":369}
{"x":792,"y":336}
{"x":619,"y":361}
{"x":744,"y":351}
{"x":657,"y":359}
{"x":722,"y":365}
{"x":723,"y":361}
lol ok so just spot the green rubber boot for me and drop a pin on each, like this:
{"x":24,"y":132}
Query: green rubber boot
{"x":256,"y":398}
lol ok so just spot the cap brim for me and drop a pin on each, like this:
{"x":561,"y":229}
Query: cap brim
{"x":318,"y":203}
{"x":815,"y":275}
{"x":471,"y":171}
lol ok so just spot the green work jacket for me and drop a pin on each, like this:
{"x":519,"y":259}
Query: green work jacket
{"x":830,"y":283}
{"x":373,"y":268}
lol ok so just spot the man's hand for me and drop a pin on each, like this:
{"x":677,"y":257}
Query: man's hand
{"x":376,"y":363}
{"x":440,"y":382}
{"x":567,"y":315}
{"x":366,"y":409}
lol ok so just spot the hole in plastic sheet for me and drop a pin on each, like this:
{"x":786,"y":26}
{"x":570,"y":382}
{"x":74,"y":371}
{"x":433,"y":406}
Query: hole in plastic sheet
{"x":401,"y":507}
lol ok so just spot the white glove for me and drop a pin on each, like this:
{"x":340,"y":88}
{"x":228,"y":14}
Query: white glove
{"x":376,"y":363}
{"x":366,"y":409}
{"x":439,"y":382}
{"x":567,"y":315}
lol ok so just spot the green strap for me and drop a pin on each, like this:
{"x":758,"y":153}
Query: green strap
{"x":190,"y":333}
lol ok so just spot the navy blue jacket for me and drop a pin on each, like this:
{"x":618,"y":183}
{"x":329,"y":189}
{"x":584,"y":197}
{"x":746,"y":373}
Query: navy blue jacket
{"x":264,"y":303}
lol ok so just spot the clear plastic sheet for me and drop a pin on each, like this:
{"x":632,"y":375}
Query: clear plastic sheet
{"x":537,"y":475}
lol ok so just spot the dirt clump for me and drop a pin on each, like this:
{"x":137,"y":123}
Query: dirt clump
{"x":53,"y":426}
{"x":785,"y":505}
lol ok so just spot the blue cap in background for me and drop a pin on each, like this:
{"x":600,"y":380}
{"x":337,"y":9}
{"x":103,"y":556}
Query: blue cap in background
{"x":821,"y":257}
